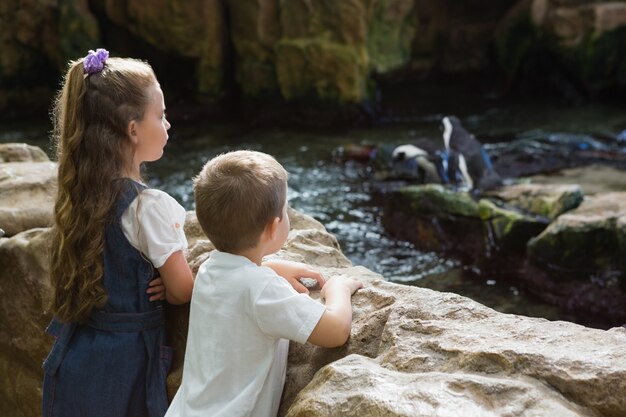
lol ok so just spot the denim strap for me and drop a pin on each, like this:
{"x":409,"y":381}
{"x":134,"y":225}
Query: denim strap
{"x":63,"y":333}
{"x":126,"y":322}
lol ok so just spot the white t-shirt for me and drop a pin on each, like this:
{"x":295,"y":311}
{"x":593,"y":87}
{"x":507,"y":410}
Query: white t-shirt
{"x":153,"y":224}
{"x":236,"y":354}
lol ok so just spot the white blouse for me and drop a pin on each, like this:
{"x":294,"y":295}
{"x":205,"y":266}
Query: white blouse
{"x":153,"y":224}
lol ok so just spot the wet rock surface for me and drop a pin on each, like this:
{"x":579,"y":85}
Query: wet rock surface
{"x":565,"y":248}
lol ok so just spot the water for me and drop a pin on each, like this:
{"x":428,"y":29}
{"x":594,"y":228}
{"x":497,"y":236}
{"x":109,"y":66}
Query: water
{"x":340,"y":194}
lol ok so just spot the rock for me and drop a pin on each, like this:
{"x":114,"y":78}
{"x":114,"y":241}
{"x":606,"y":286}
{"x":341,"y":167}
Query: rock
{"x":507,"y":230}
{"x":541,"y":200}
{"x":412,"y":351}
{"x":330,"y":49}
{"x":27,"y":194}
{"x":437,"y":218}
{"x":568,"y":255}
{"x":36,"y":41}
{"x":435,"y":351}
{"x":592,"y":179}
{"x":574,"y":44}
{"x":365,"y":385}
{"x":328,"y":70}
{"x":584,"y":239}
{"x":25,"y":292}
{"x":439,"y":200}
{"x":21,"y":152}
{"x":195,"y":30}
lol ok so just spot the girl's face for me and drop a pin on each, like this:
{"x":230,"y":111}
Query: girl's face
{"x":149,"y":135}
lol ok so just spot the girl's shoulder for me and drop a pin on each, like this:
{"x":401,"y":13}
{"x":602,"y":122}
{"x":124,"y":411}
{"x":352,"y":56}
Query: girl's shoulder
{"x":153,"y":197}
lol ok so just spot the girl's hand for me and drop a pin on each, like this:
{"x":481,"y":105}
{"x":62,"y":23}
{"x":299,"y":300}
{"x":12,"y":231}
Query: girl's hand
{"x":293,"y":271}
{"x":156,"y":289}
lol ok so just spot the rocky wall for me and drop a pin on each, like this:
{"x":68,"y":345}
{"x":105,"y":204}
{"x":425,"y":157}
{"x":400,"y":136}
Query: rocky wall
{"x":316,"y":52}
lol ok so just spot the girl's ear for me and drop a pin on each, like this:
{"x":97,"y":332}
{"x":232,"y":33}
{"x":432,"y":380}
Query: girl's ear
{"x":132,"y":132}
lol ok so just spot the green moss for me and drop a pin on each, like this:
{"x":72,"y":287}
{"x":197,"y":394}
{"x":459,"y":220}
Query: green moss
{"x":602,"y":59}
{"x":515,"y":44}
{"x":78,"y":30}
{"x":438,"y":200}
{"x":570,"y":249}
{"x":210,"y":81}
{"x":390,"y":36}
{"x":508,"y":229}
{"x":256,"y":73}
{"x":502,"y":221}
{"x":323,"y":69}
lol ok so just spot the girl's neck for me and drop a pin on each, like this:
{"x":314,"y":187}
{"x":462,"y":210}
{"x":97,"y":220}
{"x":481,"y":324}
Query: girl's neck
{"x":132,"y":173}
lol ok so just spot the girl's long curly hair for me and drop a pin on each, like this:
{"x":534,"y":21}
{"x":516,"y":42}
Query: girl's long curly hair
{"x":91,"y":115}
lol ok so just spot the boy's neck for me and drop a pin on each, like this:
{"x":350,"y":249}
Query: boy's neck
{"x":254,"y":254}
{"x":265,"y":246}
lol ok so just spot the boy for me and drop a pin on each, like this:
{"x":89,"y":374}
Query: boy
{"x":241,"y":312}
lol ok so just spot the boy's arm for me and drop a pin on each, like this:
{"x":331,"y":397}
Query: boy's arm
{"x":334,"y":327}
{"x":293,"y":271}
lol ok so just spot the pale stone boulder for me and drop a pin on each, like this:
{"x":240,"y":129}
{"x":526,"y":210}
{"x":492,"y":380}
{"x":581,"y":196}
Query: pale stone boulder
{"x":365,"y":388}
{"x":21,"y":152}
{"x":451,"y":349}
{"x":27,"y":194}
{"x":411,"y":350}
{"x":24,"y":299}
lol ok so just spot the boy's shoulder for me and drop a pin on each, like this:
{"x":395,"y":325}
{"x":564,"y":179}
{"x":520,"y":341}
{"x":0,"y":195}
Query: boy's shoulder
{"x":223,"y":265}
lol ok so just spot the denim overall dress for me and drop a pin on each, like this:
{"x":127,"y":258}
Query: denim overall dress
{"x":116,"y":364}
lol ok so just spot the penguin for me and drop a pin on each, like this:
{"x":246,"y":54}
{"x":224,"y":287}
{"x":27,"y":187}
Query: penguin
{"x":412,"y":161}
{"x":474,"y":164}
{"x":456,"y":168}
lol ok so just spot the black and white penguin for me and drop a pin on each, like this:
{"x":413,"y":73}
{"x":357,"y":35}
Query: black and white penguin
{"x":415,"y":162}
{"x":474,"y":164}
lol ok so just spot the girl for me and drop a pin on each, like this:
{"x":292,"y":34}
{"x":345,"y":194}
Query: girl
{"x":113,"y":241}
{"x":109,"y":245}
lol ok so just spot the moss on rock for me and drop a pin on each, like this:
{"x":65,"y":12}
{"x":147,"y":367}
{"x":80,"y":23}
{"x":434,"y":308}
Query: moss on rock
{"x":321,"y":68}
{"x":438,"y":200}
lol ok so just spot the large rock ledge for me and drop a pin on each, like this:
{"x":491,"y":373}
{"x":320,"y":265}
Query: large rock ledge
{"x":412,"y":351}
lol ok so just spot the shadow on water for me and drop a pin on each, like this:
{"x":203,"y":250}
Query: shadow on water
{"x":340,"y":194}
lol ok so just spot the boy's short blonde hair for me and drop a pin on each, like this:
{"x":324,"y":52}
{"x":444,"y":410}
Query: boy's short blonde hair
{"x":237,"y":195}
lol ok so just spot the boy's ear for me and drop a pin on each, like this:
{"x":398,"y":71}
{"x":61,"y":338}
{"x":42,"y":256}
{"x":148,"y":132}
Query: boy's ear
{"x":132,"y":132}
{"x":271,"y":228}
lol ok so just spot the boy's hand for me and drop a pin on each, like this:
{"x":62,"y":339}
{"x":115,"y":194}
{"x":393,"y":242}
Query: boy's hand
{"x":293,"y":271}
{"x":350,"y":284}
{"x":333,"y":329}
{"x":156,"y":290}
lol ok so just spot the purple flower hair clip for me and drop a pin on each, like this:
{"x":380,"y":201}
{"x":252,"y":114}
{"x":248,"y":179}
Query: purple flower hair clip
{"x":94,"y":61}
